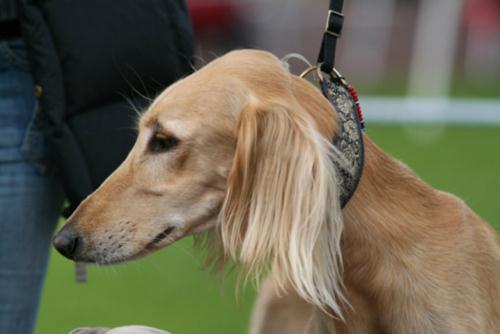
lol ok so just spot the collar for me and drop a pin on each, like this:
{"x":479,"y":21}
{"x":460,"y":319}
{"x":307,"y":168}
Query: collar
{"x":350,"y":126}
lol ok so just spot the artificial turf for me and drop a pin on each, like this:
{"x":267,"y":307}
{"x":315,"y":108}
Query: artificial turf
{"x":170,"y":290}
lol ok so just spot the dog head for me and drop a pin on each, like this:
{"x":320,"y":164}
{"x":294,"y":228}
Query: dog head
{"x":241,"y":148}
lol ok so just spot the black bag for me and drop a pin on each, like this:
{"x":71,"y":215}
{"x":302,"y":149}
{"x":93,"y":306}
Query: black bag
{"x":86,"y":58}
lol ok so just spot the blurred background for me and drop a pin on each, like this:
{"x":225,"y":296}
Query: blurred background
{"x":428,"y":73}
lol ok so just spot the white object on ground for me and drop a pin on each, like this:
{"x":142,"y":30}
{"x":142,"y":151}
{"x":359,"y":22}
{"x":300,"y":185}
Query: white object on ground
{"x":134,"y":329}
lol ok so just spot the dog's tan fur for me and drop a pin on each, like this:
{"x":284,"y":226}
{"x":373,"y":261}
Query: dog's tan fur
{"x":253,"y":170}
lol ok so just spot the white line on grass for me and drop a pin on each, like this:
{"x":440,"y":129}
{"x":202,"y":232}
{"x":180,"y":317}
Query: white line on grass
{"x":431,"y":110}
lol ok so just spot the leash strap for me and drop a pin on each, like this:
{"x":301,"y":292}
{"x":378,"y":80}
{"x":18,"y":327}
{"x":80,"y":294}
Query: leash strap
{"x":80,"y":272}
{"x":344,"y":99}
{"x":333,"y":30}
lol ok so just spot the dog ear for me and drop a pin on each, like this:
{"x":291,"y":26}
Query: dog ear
{"x":282,"y":209}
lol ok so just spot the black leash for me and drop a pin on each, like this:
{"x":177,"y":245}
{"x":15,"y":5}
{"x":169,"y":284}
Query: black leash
{"x":326,"y":56}
{"x":333,"y":30}
{"x":344,"y":99}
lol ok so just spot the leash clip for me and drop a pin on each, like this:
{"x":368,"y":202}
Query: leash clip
{"x":314,"y":74}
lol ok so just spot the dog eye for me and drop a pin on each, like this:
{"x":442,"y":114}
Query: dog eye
{"x":161,"y":143}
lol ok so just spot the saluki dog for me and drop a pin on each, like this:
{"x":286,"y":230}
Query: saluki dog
{"x":240,"y":154}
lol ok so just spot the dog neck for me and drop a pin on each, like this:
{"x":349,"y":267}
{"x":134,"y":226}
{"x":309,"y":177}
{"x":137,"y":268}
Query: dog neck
{"x":390,"y":211}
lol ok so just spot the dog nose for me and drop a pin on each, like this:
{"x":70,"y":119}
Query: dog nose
{"x":68,"y":242}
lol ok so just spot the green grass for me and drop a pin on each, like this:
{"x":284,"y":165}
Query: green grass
{"x":169,"y":289}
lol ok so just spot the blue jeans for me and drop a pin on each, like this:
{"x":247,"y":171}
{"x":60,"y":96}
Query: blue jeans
{"x":30,"y":197}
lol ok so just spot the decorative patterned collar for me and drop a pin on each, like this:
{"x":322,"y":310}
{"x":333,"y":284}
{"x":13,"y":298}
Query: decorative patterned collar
{"x":350,"y":126}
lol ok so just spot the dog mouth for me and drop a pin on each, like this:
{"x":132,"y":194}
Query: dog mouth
{"x":166,"y":237}
{"x":160,"y":237}
{"x":156,"y":243}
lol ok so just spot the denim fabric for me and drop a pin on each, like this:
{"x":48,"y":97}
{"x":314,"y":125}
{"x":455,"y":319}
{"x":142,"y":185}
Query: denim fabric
{"x":30,"y":197}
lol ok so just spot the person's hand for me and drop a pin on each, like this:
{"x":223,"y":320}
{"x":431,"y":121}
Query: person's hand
{"x":118,"y":330}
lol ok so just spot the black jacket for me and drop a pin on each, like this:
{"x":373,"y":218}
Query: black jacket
{"x":88,"y":57}
{"x":8,"y":10}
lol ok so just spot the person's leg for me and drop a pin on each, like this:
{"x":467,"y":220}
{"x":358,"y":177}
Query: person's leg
{"x":30,"y":199}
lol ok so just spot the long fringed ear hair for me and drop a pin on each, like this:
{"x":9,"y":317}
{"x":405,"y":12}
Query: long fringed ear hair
{"x":282,"y":208}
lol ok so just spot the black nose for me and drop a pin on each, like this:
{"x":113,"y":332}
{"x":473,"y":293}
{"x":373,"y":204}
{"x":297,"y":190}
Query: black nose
{"x":68,"y":242}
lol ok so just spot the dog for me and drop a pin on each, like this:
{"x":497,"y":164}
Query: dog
{"x":239,"y":154}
